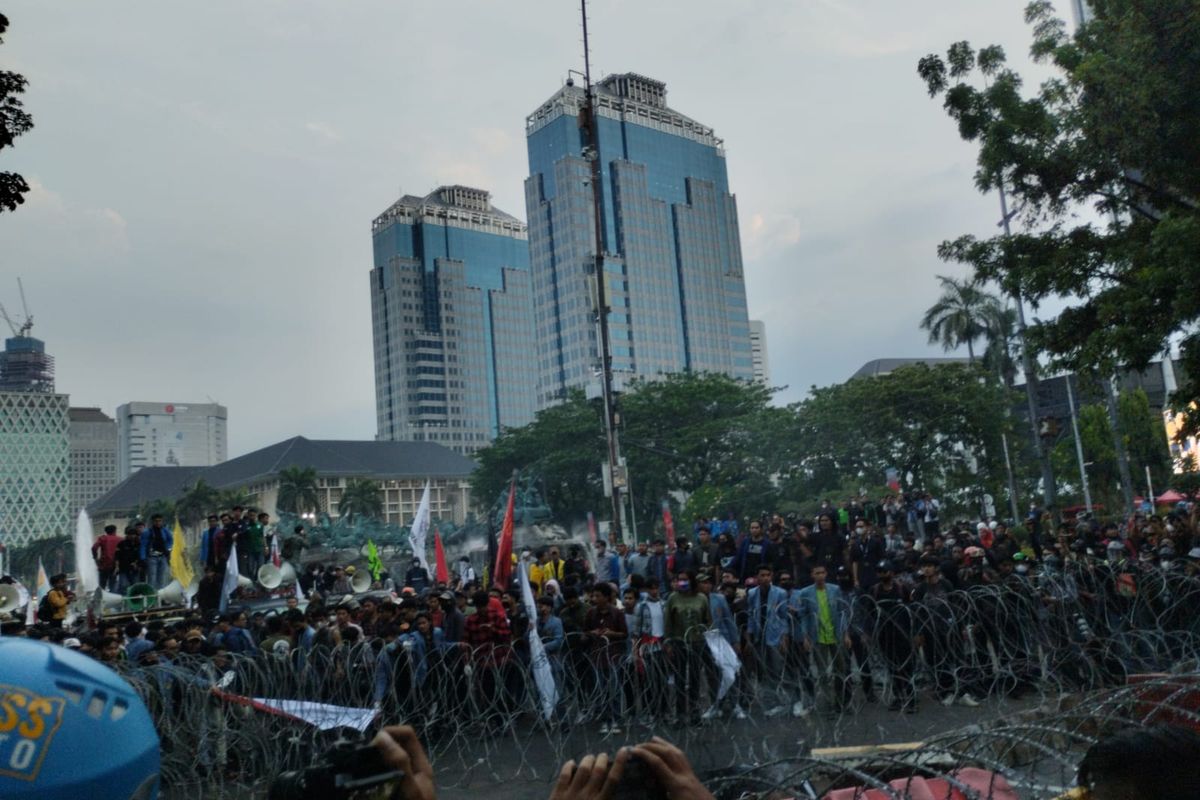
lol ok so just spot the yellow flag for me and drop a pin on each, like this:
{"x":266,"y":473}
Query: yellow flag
{"x":181,"y":566}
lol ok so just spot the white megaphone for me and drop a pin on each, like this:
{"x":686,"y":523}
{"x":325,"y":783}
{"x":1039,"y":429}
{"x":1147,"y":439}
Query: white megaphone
{"x":111,"y":602}
{"x":172,"y":594}
{"x":10,"y":598}
{"x":272,"y":577}
{"x":244,"y":582}
{"x":361,"y":582}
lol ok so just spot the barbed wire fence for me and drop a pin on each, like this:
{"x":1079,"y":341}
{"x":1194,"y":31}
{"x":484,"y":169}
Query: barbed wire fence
{"x":1050,"y":660}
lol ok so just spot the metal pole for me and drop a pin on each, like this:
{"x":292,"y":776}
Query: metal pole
{"x":1031,"y":381}
{"x":1150,"y":488}
{"x":590,"y":128}
{"x":1087,"y":493}
{"x":1012,"y":482}
{"x":1114,"y":422}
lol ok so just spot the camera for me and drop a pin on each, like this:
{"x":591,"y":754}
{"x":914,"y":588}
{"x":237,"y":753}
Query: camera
{"x":349,"y":770}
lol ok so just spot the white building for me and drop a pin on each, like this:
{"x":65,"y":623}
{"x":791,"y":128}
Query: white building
{"x":34,"y":467}
{"x":758,"y":351}
{"x":170,"y":435}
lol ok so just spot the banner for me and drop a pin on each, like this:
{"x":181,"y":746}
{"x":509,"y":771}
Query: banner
{"x":181,"y":565}
{"x":420,"y":528}
{"x":87,"y":574}
{"x":502,"y":570}
{"x":443,"y":569}
{"x":230,"y":584}
{"x":543,"y":675}
{"x":668,"y":524}
{"x":726,"y":660}
{"x":322,"y":716}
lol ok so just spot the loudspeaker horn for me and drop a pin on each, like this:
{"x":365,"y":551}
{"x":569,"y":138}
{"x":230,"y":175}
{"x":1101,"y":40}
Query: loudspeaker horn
{"x":361,"y":582}
{"x":112,"y":602}
{"x":172,"y":595}
{"x":272,"y":577}
{"x":10,"y":598}
{"x":140,"y":597}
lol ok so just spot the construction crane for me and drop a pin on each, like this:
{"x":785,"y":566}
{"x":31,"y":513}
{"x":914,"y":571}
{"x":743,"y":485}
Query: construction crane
{"x":27,"y":325}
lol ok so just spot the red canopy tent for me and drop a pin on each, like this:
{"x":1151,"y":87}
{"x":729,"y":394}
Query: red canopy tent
{"x":1169,"y":497}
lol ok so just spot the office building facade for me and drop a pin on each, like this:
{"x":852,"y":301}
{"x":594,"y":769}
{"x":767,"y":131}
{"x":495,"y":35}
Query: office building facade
{"x":170,"y":435}
{"x":452,"y":320}
{"x":92,"y":436}
{"x":34,"y":467}
{"x":759,"y":360}
{"x":673,"y":260}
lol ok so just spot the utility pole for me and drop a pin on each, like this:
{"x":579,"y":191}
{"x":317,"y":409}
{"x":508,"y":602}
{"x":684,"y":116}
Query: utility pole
{"x":1049,"y":493}
{"x":1087,"y":492}
{"x":1114,"y":421}
{"x":589,"y":128}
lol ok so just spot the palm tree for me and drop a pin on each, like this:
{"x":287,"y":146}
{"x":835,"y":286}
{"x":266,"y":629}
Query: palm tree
{"x":960,"y":316}
{"x":361,"y":497}
{"x":198,"y":500}
{"x":297,"y":490}
{"x":229,"y":498}
{"x":149,"y":508}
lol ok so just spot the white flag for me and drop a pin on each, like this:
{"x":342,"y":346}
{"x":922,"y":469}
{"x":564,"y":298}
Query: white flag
{"x":87,"y":574}
{"x":420,"y":527}
{"x":230,"y":584}
{"x":299,"y":591}
{"x":725,"y":658}
{"x":543,"y":676}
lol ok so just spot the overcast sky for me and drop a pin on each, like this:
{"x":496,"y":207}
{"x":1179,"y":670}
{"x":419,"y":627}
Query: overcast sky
{"x":205,"y":174}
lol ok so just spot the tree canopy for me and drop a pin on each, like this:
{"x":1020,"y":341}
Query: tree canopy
{"x":1113,"y":133}
{"x":14,"y":121}
{"x":297,"y":490}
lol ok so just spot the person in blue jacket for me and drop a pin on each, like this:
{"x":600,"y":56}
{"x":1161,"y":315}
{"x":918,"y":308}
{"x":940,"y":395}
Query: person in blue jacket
{"x":823,"y":617}
{"x":767,"y":637}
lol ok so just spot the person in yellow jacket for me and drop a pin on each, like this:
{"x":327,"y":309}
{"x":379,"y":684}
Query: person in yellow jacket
{"x":58,"y":598}
{"x":551,"y":567}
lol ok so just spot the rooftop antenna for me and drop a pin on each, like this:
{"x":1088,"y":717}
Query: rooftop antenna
{"x":590,"y":133}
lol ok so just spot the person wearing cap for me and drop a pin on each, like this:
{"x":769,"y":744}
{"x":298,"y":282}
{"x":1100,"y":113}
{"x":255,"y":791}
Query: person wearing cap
{"x":893,"y":635}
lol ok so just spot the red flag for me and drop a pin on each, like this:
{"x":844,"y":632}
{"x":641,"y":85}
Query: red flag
{"x":443,"y":570}
{"x":592,"y":528}
{"x":502,"y":570}
{"x":669,"y":524}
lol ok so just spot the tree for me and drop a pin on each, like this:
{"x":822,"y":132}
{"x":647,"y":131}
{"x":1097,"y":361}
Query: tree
{"x":1145,"y":437}
{"x":233,"y":497}
{"x":162,"y":506}
{"x":938,"y":426}
{"x":361,"y":497}
{"x":198,"y":500}
{"x":14,"y":121}
{"x":297,"y":490}
{"x":1114,"y":130}
{"x":961,"y":315}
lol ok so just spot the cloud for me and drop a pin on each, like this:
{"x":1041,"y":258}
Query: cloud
{"x":100,"y":231}
{"x":323,"y":130}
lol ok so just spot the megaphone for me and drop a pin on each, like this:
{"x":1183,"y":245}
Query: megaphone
{"x":361,"y":582}
{"x":272,"y":577}
{"x":10,"y":598}
{"x":112,"y":602}
{"x":172,"y":594}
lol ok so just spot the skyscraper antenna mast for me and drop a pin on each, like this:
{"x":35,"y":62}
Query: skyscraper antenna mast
{"x":590,"y":133}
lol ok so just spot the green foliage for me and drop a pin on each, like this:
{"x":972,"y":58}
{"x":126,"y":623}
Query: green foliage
{"x":921,"y":420}
{"x":1145,"y":436}
{"x":1114,"y":130}
{"x":14,"y":121}
{"x":964,"y":313}
{"x":361,"y":497}
{"x":149,"y":508}
{"x":198,"y":501}
{"x":23,"y":561}
{"x":297,"y":490}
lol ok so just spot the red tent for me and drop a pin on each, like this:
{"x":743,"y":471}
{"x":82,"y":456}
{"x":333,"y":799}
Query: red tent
{"x":1169,"y":497}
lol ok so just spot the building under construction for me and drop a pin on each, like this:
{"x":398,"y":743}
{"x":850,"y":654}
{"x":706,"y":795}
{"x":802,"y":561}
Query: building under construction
{"x":25,"y":366}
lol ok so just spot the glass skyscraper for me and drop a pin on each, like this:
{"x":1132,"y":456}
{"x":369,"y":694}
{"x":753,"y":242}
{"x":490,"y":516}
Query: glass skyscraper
{"x":451,"y":309}
{"x":673,"y":257}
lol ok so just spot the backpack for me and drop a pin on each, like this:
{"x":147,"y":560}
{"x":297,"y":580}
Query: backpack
{"x":45,"y":611}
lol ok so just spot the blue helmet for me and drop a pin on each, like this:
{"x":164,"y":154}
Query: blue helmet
{"x":71,"y":727}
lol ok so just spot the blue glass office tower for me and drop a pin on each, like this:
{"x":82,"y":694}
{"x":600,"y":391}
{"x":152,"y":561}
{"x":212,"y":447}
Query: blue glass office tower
{"x":451,"y":309}
{"x":673,"y":257}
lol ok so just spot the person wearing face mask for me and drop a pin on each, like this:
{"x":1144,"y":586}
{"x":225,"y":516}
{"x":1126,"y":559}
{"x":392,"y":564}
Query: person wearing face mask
{"x":687,"y":617}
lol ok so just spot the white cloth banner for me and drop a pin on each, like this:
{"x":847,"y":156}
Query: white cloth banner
{"x":727,"y":660}
{"x":87,"y":574}
{"x":543,"y":675}
{"x":420,"y":528}
{"x":230,"y":584}
{"x":322,"y":715}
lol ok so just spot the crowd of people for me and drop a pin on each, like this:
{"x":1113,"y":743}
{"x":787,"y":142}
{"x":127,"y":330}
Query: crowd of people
{"x":822,"y":614}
